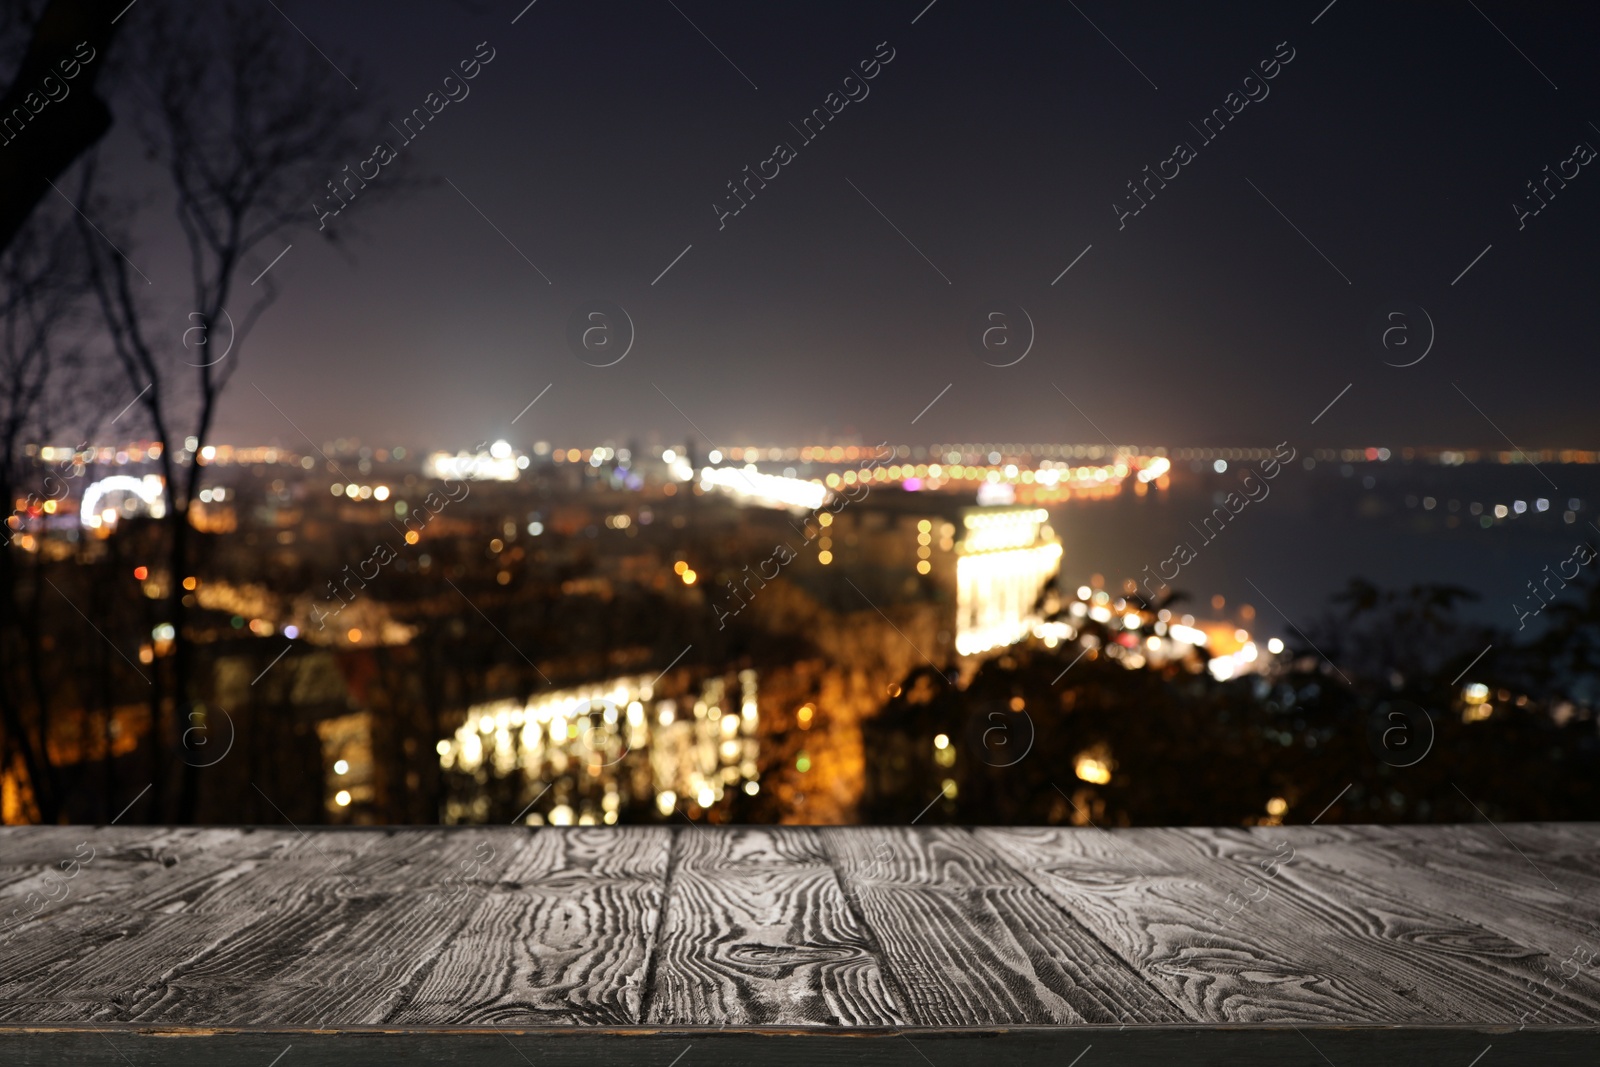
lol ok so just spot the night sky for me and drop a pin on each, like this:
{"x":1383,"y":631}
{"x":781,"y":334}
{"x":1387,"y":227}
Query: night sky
{"x":999,"y":141}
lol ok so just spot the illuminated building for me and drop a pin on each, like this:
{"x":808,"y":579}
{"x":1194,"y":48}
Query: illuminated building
{"x":1003,"y":560}
{"x":579,"y":756}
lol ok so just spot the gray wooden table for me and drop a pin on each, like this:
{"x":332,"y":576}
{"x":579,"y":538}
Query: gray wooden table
{"x":692,"y":945}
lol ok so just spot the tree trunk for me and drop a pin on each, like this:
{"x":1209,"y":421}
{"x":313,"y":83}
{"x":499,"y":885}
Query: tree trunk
{"x":182,"y":654}
{"x":10,"y":714}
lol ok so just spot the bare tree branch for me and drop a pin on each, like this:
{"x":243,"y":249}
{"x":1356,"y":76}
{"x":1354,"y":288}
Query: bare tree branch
{"x":247,"y":126}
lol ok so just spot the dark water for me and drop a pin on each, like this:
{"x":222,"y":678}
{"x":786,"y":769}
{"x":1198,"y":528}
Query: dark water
{"x":1319,"y":528}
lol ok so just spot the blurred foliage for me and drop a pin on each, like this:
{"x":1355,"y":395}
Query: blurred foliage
{"x":1363,"y":713}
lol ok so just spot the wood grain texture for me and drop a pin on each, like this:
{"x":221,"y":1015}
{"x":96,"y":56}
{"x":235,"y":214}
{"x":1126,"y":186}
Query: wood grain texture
{"x":329,"y":946}
{"x":562,"y":938}
{"x":1461,"y":971}
{"x":708,"y":932}
{"x":120,"y":911}
{"x":232,"y":927}
{"x":758,"y":933}
{"x":1168,"y":914}
{"x":970,"y":942}
{"x":1558,"y":922}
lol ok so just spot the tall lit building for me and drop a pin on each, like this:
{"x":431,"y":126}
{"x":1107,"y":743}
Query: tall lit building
{"x":1004,"y":558}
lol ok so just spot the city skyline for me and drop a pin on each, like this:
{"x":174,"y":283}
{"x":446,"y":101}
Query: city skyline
{"x":972,"y":267}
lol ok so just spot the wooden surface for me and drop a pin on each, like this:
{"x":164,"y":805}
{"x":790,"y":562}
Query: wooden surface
{"x":804,"y":945}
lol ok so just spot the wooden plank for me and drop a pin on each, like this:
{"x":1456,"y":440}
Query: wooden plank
{"x":333,"y":948}
{"x":1559,"y":925}
{"x":270,"y":931}
{"x":120,"y":900}
{"x":1567,"y":842}
{"x":276,"y":929}
{"x":968,"y":942}
{"x":1550,"y":870}
{"x":1164,"y":914}
{"x":1461,"y":970}
{"x":758,"y":933}
{"x":933,"y":932}
{"x":562,"y":940}
{"x":1531,"y":860}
